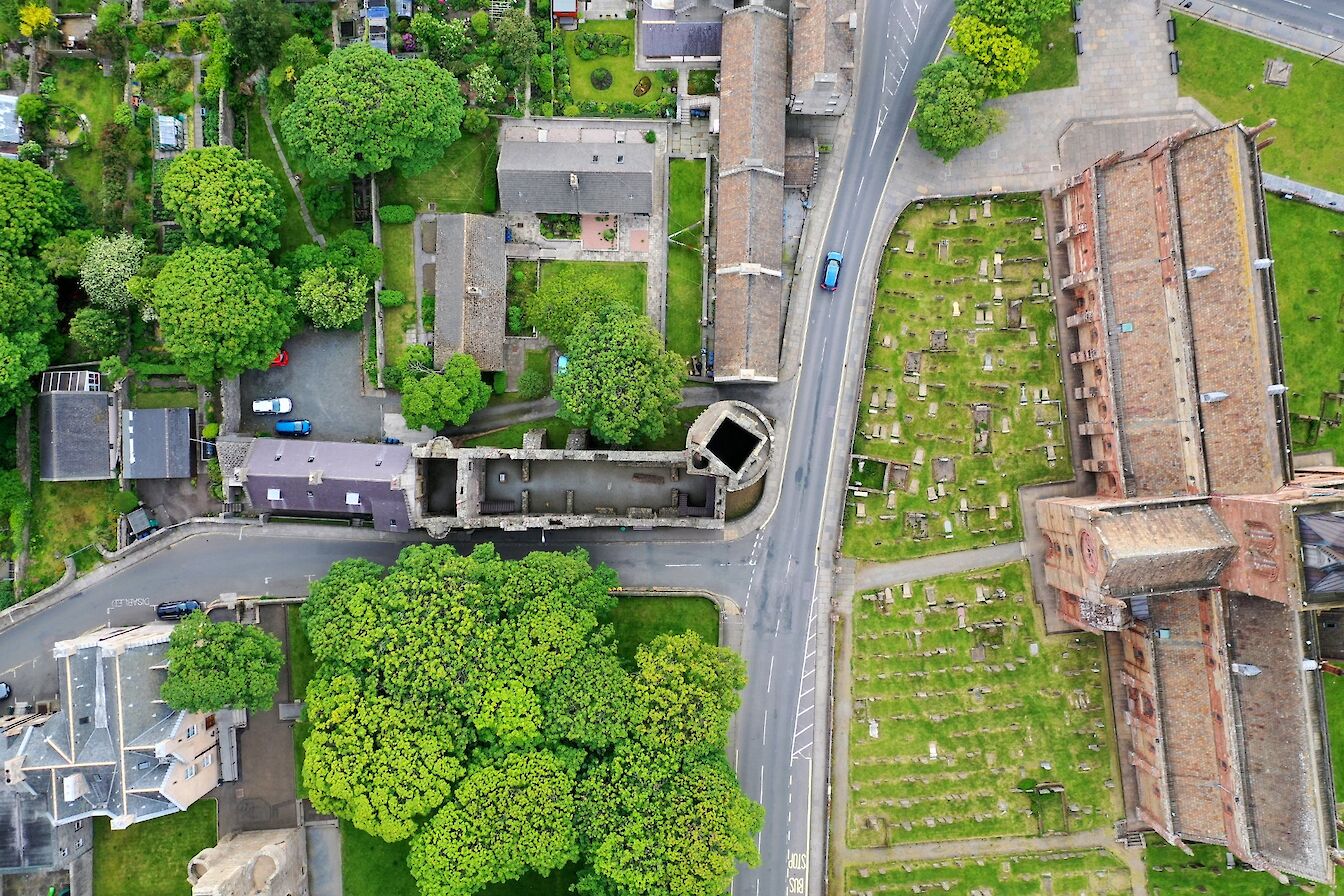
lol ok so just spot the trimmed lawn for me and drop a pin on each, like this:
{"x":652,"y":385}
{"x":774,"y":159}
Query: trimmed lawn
{"x":150,"y":858}
{"x":1217,"y":67}
{"x":398,"y":274}
{"x":959,"y":695}
{"x":1309,"y":273}
{"x":685,"y":228}
{"x":622,"y":68}
{"x":293,"y":233}
{"x":81,"y":86}
{"x":68,"y":516}
{"x":984,"y":432}
{"x":1059,"y":63}
{"x":638,"y":620}
{"x":463,"y":181}
{"x":1088,"y":872}
{"x":301,"y":670}
{"x":1173,"y":873}
{"x":373,"y":867}
{"x":1334,"y":714}
{"x":629,"y":276}
{"x":164,"y":398}
{"x":557,"y":431}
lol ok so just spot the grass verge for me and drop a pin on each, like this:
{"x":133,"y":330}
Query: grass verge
{"x":1225,"y":70}
{"x":150,"y":858}
{"x":1059,"y":63}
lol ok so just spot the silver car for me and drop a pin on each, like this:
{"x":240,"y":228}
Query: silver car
{"x":272,"y":406}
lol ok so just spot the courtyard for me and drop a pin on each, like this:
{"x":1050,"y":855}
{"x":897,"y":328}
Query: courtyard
{"x":968,"y":721}
{"x":962,"y":401}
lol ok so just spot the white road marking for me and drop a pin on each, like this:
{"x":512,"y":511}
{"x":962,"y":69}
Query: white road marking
{"x":672,"y":565}
{"x":1335,"y":15}
{"x":770,"y":678}
{"x":1295,"y":3}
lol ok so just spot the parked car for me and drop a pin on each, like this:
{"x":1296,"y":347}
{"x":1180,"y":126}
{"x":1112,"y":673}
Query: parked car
{"x":279,"y":405}
{"x":831,"y":276}
{"x":293,"y":428}
{"x":5,"y":691}
{"x":173,"y":610}
{"x":282,"y":359}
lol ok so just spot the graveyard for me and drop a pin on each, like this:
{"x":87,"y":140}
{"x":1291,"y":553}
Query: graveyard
{"x":968,"y":721}
{"x":961,"y":403}
{"x":1084,"y":872}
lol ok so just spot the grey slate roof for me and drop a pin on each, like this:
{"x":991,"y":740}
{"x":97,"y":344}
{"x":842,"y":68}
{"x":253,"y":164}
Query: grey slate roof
{"x":667,"y":33}
{"x":27,"y":839}
{"x":340,"y":478}
{"x":75,"y":433}
{"x":576,"y":178}
{"x":470,"y":302}
{"x":156,"y":443}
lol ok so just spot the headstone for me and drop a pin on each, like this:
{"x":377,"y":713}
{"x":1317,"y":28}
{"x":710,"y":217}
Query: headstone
{"x":1038,"y":233}
{"x":956,"y":309}
{"x":984,"y":267}
{"x":952,"y":216}
{"x":943,"y":247}
{"x":970,"y":216}
{"x":933,"y":409}
{"x":910,"y":246}
{"x":985,"y":209}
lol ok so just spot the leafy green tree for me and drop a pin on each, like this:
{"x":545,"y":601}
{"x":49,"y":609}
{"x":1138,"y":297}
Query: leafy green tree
{"x":475,"y":121}
{"x":533,"y":384}
{"x":685,"y":694}
{"x":622,"y":383}
{"x":256,"y":29}
{"x":561,"y":303}
{"x":98,"y":331}
{"x":950,"y":115}
{"x":30,"y":151}
{"x":34,"y":206}
{"x":1022,"y":18}
{"x":351,"y":250}
{"x":221,"y":311}
{"x":108,"y":37}
{"x":32,"y":108}
{"x":332,"y":297}
{"x":517,"y":39}
{"x":108,"y":266}
{"x":443,"y":41}
{"x":64,"y":254}
{"x":188,"y":36}
{"x":218,"y":665}
{"x":28,"y":309}
{"x":508,"y":817}
{"x":217,"y":196}
{"x":297,"y":55}
{"x":436,"y":400}
{"x":365,"y":111}
{"x":485,"y":86}
{"x":653,"y":831}
{"x":1007,"y":61}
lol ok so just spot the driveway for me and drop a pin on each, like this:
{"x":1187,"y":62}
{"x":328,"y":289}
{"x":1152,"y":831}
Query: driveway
{"x":324,"y":380}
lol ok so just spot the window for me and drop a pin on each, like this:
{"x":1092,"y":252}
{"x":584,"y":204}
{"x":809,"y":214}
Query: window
{"x":272,"y":494}
{"x":79,"y":825}
{"x":207,"y":762}
{"x":352,"y":499}
{"x":191,"y":772}
{"x":191,"y":731}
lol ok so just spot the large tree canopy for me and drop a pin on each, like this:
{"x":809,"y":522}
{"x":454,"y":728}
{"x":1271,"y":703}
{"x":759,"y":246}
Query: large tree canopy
{"x":1022,"y":18}
{"x":256,"y":29}
{"x":436,"y":400}
{"x":477,"y":707}
{"x":622,"y":383}
{"x":28,"y":310}
{"x":365,"y":111}
{"x":219,"y":665}
{"x":950,"y":115}
{"x":1006,"y":60}
{"x":221,"y":311}
{"x":560,"y":304}
{"x":332,"y":297}
{"x":108,"y":265}
{"x":218,"y":196}
{"x":34,"y":206}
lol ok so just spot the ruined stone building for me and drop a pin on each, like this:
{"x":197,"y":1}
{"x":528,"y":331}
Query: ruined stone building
{"x":1203,"y":555}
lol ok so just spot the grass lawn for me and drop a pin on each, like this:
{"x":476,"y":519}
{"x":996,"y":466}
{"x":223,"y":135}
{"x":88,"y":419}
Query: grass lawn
{"x":990,"y":424}
{"x":1334,"y":713}
{"x":622,"y":68}
{"x":629,"y":276}
{"x":68,"y":516}
{"x":1217,"y":65}
{"x":1172,"y":873}
{"x":164,"y":398}
{"x":398,"y":274}
{"x":81,"y":86}
{"x":1309,"y":273}
{"x":674,"y":439}
{"x":150,"y":858}
{"x":293,"y":233}
{"x":1059,"y":63}
{"x":371,"y":867}
{"x":341,"y":220}
{"x":301,"y":670}
{"x":685,"y":228}
{"x":463,"y":181}
{"x":964,"y":711}
{"x":1089,"y":872}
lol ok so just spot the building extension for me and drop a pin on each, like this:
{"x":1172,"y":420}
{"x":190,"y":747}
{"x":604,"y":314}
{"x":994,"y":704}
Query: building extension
{"x":1203,"y":556}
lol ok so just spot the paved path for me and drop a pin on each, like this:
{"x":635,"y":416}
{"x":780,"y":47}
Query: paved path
{"x":877,"y":575}
{"x":289,"y":179}
{"x":1314,"y":195}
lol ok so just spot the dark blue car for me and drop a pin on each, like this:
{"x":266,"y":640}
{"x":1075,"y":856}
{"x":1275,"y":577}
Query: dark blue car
{"x":831,"y":273}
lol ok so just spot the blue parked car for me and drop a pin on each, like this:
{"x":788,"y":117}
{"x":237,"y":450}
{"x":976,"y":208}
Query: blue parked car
{"x":293,"y":427}
{"x":831,"y":276}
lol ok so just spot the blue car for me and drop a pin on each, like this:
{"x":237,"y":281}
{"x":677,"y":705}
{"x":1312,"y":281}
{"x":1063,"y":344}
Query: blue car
{"x":293,"y":427}
{"x":831,"y":275}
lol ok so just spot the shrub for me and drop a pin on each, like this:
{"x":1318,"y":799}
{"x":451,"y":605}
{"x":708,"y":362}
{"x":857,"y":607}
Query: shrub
{"x":210,"y":431}
{"x":571,"y":110}
{"x":427,"y":309}
{"x":546,"y":110}
{"x":396,"y":214}
{"x":533,"y":384}
{"x":480,"y":23}
{"x":475,"y":121}
{"x":515,"y":319}
{"x":650,"y":137}
{"x":644,"y":85}
{"x":30,"y":151}
{"x":393,"y":376}
{"x":500,"y":382}
{"x":391,"y":298}
{"x":125,"y":501}
{"x":600,"y":78}
{"x":669,"y":76}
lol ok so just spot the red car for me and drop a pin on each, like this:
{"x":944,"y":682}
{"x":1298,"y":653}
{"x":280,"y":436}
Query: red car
{"x":282,"y":359}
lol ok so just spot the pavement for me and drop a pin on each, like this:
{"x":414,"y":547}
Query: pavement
{"x":1305,"y":192}
{"x":1313,"y":26}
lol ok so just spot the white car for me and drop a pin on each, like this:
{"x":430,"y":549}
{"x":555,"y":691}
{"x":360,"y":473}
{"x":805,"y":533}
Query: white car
{"x":272,"y":406}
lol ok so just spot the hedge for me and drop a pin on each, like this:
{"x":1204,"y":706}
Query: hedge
{"x":396,"y":214}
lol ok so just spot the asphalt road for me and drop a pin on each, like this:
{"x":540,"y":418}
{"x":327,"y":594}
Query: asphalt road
{"x":1321,"y":16}
{"x":779,"y":576}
